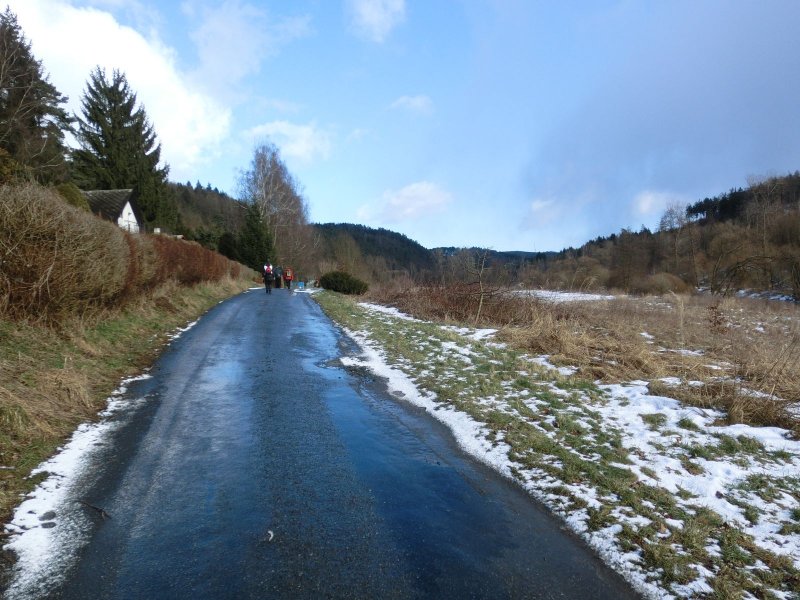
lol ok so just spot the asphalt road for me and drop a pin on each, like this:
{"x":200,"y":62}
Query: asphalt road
{"x":260,"y":468}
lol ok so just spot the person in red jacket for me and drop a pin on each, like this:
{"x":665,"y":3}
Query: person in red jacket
{"x":288,"y":275}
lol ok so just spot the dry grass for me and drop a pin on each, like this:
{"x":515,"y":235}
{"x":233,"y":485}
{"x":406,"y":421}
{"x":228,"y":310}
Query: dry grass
{"x":745,"y":353}
{"x":53,"y":379}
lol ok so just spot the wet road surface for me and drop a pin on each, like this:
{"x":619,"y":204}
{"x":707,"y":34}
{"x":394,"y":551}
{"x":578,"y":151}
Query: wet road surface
{"x":260,"y":468}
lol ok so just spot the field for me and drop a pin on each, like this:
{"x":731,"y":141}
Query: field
{"x":661,"y":429}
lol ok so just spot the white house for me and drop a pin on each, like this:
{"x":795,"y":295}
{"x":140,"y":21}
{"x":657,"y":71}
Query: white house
{"x":119,"y":206}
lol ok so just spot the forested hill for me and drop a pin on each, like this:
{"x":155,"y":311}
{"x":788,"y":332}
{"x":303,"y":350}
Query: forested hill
{"x":743,"y":239}
{"x":204,"y":209}
{"x":733,"y":205}
{"x":396,"y":251}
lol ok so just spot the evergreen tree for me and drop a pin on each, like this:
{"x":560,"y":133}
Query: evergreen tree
{"x":255,"y":245}
{"x":119,"y":148}
{"x":32,"y":119}
{"x":228,"y":246}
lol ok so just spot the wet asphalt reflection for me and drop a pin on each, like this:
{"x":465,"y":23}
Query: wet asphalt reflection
{"x":261,"y":468}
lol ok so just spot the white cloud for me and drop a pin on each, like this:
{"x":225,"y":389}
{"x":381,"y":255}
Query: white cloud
{"x":358,"y":134}
{"x":418,"y":104}
{"x":420,"y":199}
{"x":304,"y":142}
{"x":375,"y":19}
{"x":541,"y":212}
{"x":649,"y":202}
{"x":72,"y":41}
{"x":539,"y":205}
{"x":234,"y":38}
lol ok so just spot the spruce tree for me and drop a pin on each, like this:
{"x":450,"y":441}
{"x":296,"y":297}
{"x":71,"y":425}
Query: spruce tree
{"x":255,"y":244}
{"x":32,"y":118}
{"x":119,"y":148}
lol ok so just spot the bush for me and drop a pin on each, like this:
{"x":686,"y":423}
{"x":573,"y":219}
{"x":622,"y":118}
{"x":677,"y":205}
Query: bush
{"x":73,"y":196}
{"x":339,"y":281}
{"x":660,"y":283}
{"x":57,"y":260}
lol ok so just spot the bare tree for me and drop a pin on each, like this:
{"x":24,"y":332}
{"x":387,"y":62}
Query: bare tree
{"x":271,"y":187}
{"x":761,"y":212}
{"x":672,"y":223}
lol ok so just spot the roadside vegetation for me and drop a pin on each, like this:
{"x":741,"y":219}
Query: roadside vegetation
{"x":640,"y":421}
{"x":82,"y":305}
{"x":740,"y":355}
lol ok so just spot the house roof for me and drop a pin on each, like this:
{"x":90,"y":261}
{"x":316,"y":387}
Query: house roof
{"x":109,"y":203}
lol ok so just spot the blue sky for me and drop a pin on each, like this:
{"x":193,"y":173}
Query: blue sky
{"x":509,"y":124}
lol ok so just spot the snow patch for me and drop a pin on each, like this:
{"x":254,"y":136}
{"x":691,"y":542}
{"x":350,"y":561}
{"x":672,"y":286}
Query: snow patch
{"x":46,"y":531}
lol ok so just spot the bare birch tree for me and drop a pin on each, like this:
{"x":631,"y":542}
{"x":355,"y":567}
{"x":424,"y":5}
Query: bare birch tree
{"x":271,"y":187}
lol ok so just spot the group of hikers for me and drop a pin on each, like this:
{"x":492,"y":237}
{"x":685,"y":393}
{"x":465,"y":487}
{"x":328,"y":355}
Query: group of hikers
{"x":277,"y":277}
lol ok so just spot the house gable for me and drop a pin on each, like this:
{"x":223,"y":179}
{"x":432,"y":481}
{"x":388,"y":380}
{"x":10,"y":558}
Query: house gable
{"x":127,"y":219}
{"x":118,"y":206}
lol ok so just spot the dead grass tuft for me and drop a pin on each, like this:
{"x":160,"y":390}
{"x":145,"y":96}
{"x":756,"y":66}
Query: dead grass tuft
{"x":738,"y":355}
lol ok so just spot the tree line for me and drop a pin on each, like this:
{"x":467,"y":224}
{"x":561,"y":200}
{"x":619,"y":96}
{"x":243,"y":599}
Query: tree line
{"x":747,"y":238}
{"x":117,"y":144}
{"x":118,"y":148}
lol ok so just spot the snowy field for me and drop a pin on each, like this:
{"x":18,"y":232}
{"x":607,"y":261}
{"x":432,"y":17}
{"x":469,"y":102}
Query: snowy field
{"x":679,"y":503}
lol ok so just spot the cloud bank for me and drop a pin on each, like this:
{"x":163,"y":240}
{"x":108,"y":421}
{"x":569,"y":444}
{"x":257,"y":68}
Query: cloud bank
{"x":72,"y":41}
{"x":303,"y":142}
{"x":375,"y":19}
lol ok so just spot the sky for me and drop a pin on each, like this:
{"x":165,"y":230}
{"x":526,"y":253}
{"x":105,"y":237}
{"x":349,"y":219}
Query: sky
{"x":505,"y":124}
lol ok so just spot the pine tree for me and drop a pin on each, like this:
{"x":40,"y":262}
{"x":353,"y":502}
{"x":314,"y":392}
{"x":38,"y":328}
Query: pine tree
{"x":32,"y":119}
{"x":255,"y":245}
{"x":119,"y":148}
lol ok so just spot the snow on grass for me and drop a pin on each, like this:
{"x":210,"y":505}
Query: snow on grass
{"x":472,"y":334}
{"x":181,"y":330}
{"x":557,"y":296}
{"x":46,"y":530}
{"x":678,"y":503}
{"x":387,"y":310}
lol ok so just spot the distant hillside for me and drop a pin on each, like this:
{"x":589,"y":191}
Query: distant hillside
{"x":206,"y":209}
{"x":379,"y":255}
{"x":742,"y":239}
{"x":382,"y":251}
{"x":496,"y":255}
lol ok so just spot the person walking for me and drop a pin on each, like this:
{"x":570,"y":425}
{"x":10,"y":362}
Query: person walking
{"x":269,"y":277}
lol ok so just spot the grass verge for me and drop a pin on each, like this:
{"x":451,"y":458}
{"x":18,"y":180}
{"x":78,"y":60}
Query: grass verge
{"x":613,"y":460}
{"x":52,"y":380}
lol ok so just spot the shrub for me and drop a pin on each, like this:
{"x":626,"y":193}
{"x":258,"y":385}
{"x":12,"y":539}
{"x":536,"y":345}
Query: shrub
{"x":339,"y":281}
{"x":57,"y":260}
{"x":10,"y":169}
{"x":660,"y":283}
{"x":73,"y":196}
